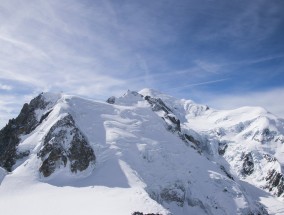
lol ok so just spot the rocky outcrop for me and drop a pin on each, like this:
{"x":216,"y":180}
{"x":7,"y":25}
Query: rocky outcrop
{"x":111,"y":100}
{"x":222,"y":146}
{"x":248,"y":165}
{"x":174,"y":193}
{"x":65,"y":145}
{"x":227,"y":173}
{"x":265,"y":135}
{"x":275,"y":182}
{"x":25,"y":123}
{"x":158,"y":105}
{"x":269,"y":158}
{"x":192,"y":139}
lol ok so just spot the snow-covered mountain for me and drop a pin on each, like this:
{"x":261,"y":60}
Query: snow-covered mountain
{"x":142,"y":153}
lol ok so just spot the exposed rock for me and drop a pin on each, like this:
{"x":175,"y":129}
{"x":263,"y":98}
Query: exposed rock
{"x":227,"y":173}
{"x":25,"y":123}
{"x":279,"y":138}
{"x":275,"y":182}
{"x":265,"y":135}
{"x":269,"y":158}
{"x":65,"y":143}
{"x":44,"y":116}
{"x":157,"y":104}
{"x":222,"y":148}
{"x":140,"y":213}
{"x":173,"y":193}
{"x":55,"y":158}
{"x":172,"y":121}
{"x":248,"y":165}
{"x":192,"y":139}
{"x":258,"y":209}
{"x":175,"y":121}
{"x":111,"y":100}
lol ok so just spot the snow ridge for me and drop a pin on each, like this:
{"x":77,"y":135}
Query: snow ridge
{"x":143,"y":152}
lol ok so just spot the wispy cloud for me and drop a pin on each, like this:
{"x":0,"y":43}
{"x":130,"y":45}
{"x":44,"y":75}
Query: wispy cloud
{"x":198,"y":84}
{"x":255,"y":61}
{"x":100,"y":48}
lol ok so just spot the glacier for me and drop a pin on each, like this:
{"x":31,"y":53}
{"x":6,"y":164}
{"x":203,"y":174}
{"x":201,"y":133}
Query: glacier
{"x":142,"y":152}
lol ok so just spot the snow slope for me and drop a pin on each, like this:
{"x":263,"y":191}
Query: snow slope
{"x":151,"y":156}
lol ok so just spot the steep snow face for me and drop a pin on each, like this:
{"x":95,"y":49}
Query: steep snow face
{"x":152,"y":153}
{"x":129,"y":98}
{"x":181,"y":107}
{"x":249,"y":138}
{"x":242,"y":132}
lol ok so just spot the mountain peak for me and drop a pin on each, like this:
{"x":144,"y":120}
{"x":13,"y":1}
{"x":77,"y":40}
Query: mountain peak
{"x":150,"y":92}
{"x":164,"y":155}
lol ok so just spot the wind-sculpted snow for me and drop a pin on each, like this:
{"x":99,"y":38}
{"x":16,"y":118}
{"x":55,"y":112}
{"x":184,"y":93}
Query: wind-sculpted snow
{"x":153,"y":154}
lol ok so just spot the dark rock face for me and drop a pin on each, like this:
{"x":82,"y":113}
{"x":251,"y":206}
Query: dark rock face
{"x":280,"y":139}
{"x":258,"y":210}
{"x":172,"y":121}
{"x":25,"y":123}
{"x":248,"y":165}
{"x":176,"y":194}
{"x":140,"y":213}
{"x":173,"y":193}
{"x":265,"y":135}
{"x":227,"y":173}
{"x":192,"y":139}
{"x":111,"y":100}
{"x":158,"y":105}
{"x":65,"y":142}
{"x":175,"y":121}
{"x":222,"y":148}
{"x":269,"y":158}
{"x":275,"y":181}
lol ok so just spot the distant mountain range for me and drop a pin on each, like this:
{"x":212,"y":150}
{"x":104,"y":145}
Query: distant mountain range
{"x":142,"y":153}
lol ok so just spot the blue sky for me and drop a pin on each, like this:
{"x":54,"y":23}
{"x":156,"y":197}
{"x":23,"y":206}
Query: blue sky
{"x":222,"y":53}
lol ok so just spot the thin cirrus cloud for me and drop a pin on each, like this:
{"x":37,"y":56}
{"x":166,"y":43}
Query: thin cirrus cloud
{"x":102,"y":48}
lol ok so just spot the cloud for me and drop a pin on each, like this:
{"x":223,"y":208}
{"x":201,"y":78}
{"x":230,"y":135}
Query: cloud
{"x":5,"y":87}
{"x":51,"y":45}
{"x":101,"y":48}
{"x":37,"y":48}
{"x":198,"y":84}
